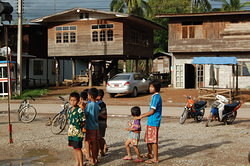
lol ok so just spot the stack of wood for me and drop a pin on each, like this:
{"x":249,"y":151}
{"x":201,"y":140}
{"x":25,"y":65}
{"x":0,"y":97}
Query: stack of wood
{"x":79,"y":79}
{"x":209,"y":94}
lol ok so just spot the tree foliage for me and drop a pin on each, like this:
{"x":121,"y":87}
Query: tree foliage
{"x":233,"y":5}
{"x":135,"y":7}
{"x":200,"y":6}
{"x":163,"y":7}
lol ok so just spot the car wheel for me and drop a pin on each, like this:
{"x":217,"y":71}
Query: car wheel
{"x":112,"y":95}
{"x":135,"y":92}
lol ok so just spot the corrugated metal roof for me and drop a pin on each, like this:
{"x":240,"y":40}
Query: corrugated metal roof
{"x":215,"y":60}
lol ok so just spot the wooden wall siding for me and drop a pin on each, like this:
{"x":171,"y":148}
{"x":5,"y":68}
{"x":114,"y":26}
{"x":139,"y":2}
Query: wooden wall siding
{"x":239,"y":30}
{"x":216,"y":37}
{"x":141,"y":49}
{"x":212,"y":30}
{"x":210,"y":45}
{"x":84,"y":45}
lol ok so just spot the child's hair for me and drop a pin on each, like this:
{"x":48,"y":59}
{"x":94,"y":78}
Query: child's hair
{"x":135,"y":111}
{"x":84,"y":95}
{"x":100,"y":93}
{"x":75,"y":94}
{"x":93,"y":92}
{"x":156,"y":84}
{"x":86,"y":90}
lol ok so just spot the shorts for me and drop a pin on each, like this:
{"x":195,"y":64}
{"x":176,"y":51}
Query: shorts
{"x":214,"y":111}
{"x":75,"y":144}
{"x":151,"y":134}
{"x":102,"y":130}
{"x":92,"y":135}
{"x":134,"y":137}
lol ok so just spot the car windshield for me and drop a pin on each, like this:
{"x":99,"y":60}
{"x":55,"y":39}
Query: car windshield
{"x":121,"y":77}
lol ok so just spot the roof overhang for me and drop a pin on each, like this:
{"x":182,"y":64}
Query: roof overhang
{"x":215,"y":60}
{"x":202,"y":14}
{"x":111,"y":15}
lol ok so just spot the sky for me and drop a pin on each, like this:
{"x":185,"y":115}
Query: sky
{"x":217,"y":3}
{"x":39,"y":8}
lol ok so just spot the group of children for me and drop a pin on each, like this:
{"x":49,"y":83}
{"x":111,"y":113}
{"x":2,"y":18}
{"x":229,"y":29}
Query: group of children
{"x":87,"y":125}
{"x":88,"y":122}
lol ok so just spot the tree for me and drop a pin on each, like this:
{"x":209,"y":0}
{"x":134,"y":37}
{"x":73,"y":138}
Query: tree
{"x":233,"y":5}
{"x":163,"y":7}
{"x":200,"y":6}
{"x":135,"y":7}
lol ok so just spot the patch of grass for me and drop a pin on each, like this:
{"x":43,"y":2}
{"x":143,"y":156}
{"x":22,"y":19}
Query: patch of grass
{"x":32,"y":92}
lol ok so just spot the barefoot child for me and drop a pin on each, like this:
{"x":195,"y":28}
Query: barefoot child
{"x":102,"y":122}
{"x":153,"y":124}
{"x":76,"y":122}
{"x":92,"y":133}
{"x":134,"y":135}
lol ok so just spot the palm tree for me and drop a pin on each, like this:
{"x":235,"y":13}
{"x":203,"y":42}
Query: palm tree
{"x":136,"y":7}
{"x":233,"y":5}
{"x":200,"y":6}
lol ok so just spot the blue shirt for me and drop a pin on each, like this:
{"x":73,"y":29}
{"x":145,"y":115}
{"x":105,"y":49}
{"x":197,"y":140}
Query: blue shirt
{"x":156,"y":104}
{"x":91,"y":112}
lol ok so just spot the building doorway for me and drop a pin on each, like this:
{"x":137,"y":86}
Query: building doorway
{"x":200,"y":76}
{"x":189,"y":76}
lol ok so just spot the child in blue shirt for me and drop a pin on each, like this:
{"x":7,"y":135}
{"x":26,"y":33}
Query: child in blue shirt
{"x":154,"y":119}
{"x":92,"y":133}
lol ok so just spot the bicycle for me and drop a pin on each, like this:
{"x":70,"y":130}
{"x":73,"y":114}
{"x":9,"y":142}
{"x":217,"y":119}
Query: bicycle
{"x":26,"y":112}
{"x":59,"y":121}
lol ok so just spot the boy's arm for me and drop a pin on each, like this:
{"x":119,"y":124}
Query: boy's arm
{"x":130,"y":129}
{"x":151,"y":112}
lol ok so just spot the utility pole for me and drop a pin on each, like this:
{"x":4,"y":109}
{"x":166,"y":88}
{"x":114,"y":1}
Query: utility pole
{"x":19,"y":47}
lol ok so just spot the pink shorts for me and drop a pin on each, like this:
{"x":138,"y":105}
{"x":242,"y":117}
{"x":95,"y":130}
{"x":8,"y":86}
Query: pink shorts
{"x":151,"y":134}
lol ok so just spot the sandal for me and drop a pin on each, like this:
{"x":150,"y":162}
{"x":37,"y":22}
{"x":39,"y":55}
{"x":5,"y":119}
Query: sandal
{"x":149,"y":156}
{"x":151,"y":162}
{"x":127,"y":158}
{"x":137,"y":160}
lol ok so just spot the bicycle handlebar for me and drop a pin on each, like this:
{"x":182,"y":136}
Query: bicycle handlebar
{"x":61,"y":98}
{"x":31,"y":97}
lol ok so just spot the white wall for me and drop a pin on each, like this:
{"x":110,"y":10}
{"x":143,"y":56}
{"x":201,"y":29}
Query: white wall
{"x":225,"y":73}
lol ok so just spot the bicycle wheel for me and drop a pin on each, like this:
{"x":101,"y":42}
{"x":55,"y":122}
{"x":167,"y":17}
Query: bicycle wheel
{"x":58,"y":123}
{"x":27,"y":114}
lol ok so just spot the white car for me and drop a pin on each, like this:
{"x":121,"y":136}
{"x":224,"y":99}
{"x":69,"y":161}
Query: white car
{"x":127,"y":83}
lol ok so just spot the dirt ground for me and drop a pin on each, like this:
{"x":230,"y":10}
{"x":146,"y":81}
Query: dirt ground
{"x":170,"y":96}
{"x":191,"y":144}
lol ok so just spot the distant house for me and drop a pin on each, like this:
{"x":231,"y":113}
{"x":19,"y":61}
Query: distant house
{"x":161,"y":69}
{"x":162,"y":63}
{"x":37,"y":68}
{"x":91,"y":36}
{"x":221,"y":34}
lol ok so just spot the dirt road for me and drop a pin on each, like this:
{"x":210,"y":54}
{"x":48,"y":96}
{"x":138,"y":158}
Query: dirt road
{"x":190,"y":144}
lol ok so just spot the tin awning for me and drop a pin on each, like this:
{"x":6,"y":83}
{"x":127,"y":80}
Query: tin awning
{"x":215,"y":60}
